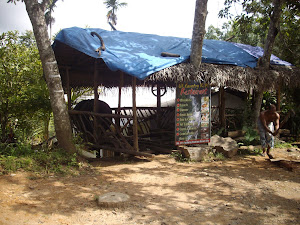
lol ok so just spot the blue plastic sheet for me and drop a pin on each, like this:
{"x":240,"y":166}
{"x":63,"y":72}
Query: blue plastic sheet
{"x":140,"y":54}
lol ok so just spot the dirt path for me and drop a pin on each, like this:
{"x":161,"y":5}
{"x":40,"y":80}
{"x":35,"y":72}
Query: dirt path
{"x":241,"y":190}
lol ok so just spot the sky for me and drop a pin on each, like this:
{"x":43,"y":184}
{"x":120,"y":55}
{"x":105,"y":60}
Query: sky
{"x":161,"y":17}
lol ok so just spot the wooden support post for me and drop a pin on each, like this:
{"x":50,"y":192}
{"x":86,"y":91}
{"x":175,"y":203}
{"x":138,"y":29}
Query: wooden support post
{"x":135,"y":127}
{"x":96,"y":95}
{"x":68,"y":88}
{"x":222,"y":117}
{"x":158,"y":97}
{"x":120,"y":95}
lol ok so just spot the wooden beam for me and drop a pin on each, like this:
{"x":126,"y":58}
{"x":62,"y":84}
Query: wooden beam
{"x":222,"y":117}
{"x":135,"y":127}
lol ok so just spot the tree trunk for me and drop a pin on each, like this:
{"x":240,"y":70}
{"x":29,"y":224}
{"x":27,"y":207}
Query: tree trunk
{"x":198,"y":32}
{"x":258,"y":96}
{"x":61,"y":118}
{"x":263,"y":63}
{"x":272,"y":33}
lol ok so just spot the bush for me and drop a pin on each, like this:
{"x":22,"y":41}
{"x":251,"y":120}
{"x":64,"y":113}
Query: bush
{"x":17,"y":156}
{"x":11,"y":164}
{"x":15,"y":149}
{"x":251,"y":136}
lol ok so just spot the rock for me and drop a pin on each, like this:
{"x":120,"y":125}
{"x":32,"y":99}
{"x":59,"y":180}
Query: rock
{"x":227,"y":146}
{"x":195,"y":153}
{"x":112,"y":199}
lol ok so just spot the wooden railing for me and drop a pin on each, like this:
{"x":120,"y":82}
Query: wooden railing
{"x":150,"y":119}
{"x":114,"y":131}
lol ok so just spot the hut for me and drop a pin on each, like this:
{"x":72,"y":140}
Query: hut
{"x":91,"y":57}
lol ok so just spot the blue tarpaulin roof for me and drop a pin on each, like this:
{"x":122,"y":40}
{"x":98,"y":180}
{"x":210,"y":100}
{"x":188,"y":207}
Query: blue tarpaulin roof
{"x":140,"y":54}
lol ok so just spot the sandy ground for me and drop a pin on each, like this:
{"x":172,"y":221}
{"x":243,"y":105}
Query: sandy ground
{"x":241,"y":190}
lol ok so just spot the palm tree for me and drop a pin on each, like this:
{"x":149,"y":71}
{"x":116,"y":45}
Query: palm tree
{"x":113,"y":6}
{"x":48,"y":14}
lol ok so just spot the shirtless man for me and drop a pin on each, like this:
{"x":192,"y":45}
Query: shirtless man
{"x":266,"y":121}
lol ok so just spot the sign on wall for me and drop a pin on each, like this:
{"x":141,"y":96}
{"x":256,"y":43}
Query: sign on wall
{"x":192,"y":113}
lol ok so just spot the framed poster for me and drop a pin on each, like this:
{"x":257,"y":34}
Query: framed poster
{"x":192,"y":113}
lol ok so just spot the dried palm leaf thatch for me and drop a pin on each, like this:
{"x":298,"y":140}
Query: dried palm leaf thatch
{"x":229,"y":75}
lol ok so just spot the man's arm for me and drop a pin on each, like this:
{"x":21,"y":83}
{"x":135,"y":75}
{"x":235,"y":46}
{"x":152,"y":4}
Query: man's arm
{"x":276,"y":123}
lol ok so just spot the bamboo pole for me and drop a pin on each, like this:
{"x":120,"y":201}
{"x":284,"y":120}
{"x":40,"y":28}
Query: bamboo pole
{"x":135,"y":130}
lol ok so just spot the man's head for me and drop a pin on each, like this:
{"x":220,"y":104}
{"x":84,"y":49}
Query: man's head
{"x":272,"y":108}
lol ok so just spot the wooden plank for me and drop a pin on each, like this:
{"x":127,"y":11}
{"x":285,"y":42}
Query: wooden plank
{"x":77,"y":112}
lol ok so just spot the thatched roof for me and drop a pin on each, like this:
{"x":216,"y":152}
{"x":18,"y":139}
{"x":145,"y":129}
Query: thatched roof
{"x":81,"y":69}
{"x":134,"y":54}
{"x":231,"y":76}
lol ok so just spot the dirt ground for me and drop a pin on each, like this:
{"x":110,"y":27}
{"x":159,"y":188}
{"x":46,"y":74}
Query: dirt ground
{"x":241,"y":190}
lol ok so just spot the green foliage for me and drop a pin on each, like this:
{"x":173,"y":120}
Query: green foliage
{"x":178,"y":156}
{"x":24,"y":99}
{"x":113,"y":6}
{"x":251,"y":136}
{"x":15,"y":149}
{"x":251,"y":26}
{"x":220,"y":34}
{"x":283,"y":145}
{"x":248,"y":114}
{"x":54,"y":161}
{"x":291,"y":103}
{"x":248,"y":151}
{"x":219,"y":156}
{"x":268,"y":99}
{"x":213,"y":156}
{"x":214,"y":33}
{"x":78,"y":92}
{"x":10,"y":164}
{"x":17,"y":156}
